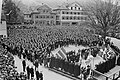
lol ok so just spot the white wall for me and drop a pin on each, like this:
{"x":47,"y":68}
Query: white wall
{"x":3,"y":28}
{"x":0,"y":9}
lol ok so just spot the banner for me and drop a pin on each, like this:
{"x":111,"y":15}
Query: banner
{"x":63,"y":50}
{"x":61,"y":54}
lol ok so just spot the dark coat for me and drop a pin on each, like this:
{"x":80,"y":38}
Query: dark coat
{"x":37,"y":75}
{"x":41,"y":76}
{"x":24,"y":63}
{"x":28,"y":70}
{"x":36,"y":64}
{"x":32,"y":72}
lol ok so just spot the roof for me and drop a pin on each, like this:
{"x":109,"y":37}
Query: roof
{"x":44,"y":7}
{"x":65,"y":6}
{"x":62,"y":7}
{"x":27,"y":12}
{"x":78,"y":4}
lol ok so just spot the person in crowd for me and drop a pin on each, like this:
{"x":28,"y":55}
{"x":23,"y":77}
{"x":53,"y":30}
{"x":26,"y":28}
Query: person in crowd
{"x":28,"y":72}
{"x":24,"y":65}
{"x":36,"y":64}
{"x":37,"y":75}
{"x":32,"y":72}
{"x":41,"y":75}
{"x":42,"y":41}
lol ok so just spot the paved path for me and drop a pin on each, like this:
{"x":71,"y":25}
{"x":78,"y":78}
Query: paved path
{"x":47,"y":74}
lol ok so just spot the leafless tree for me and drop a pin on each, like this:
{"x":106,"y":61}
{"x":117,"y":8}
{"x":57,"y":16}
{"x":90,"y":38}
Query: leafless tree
{"x":104,"y":16}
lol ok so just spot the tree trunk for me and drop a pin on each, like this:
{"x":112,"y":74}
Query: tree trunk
{"x":104,"y":36}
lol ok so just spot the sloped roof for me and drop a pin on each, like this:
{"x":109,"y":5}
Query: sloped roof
{"x":44,"y":7}
{"x":62,"y":7}
{"x":65,"y":6}
{"x":78,"y":4}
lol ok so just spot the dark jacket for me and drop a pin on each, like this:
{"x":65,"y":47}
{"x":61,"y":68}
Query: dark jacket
{"x":24,"y":63}
{"x":41,"y":76}
{"x":32,"y":72}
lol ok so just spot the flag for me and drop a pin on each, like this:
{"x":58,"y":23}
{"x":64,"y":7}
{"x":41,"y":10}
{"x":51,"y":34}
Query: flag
{"x":61,"y":54}
{"x":51,"y":55}
{"x":58,"y":56}
{"x":63,"y":50}
{"x":110,"y":49}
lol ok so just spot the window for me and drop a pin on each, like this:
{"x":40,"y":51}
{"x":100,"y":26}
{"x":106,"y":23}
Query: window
{"x":78,"y":18}
{"x":29,"y":16}
{"x":78,"y":13}
{"x":47,"y":17}
{"x":81,"y":18}
{"x":74,"y":17}
{"x":52,"y":17}
{"x":36,"y":22}
{"x":67,"y":17}
{"x":57,"y":17}
{"x":74,"y":12}
{"x":43,"y":16}
{"x":71,"y":18}
{"x":78,"y":8}
{"x":71,"y":13}
{"x":71,"y":8}
{"x":43,"y":11}
{"x":63,"y":17}
{"x":36,"y":16}
{"x":67,"y":12}
{"x":63,"y":12}
{"x":75,"y":8}
{"x":81,"y":13}
{"x":47,"y":11}
{"x":85,"y":18}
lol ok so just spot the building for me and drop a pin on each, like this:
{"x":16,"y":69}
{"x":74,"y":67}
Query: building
{"x":65,"y":15}
{"x":44,"y":16}
{"x":70,"y":14}
{"x":27,"y":18}
{"x":3,"y":26}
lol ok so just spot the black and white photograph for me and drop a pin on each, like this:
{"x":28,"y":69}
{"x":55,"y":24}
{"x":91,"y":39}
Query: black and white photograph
{"x":59,"y":39}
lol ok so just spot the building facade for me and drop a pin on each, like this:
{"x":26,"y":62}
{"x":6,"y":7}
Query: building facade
{"x":70,"y":14}
{"x":27,"y":18}
{"x":44,"y":16}
{"x":65,"y":15}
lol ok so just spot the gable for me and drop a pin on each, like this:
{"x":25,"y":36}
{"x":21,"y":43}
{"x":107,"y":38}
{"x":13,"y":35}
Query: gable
{"x":44,"y":7}
{"x":75,"y":6}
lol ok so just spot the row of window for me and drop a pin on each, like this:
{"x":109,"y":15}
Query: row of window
{"x":44,"y":17}
{"x":44,"y":11}
{"x":74,"y":13}
{"x":75,"y":8}
{"x":74,"y":18}
{"x":27,"y":16}
{"x":44,"y":22}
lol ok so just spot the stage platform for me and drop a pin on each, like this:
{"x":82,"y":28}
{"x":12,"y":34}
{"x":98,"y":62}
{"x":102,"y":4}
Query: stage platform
{"x":113,"y":73}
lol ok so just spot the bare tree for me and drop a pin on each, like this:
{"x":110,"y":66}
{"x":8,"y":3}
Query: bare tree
{"x":104,"y":16}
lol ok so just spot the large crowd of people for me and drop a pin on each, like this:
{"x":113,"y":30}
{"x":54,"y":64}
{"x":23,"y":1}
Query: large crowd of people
{"x":7,"y":66}
{"x":36,"y":45}
{"x":44,"y":40}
